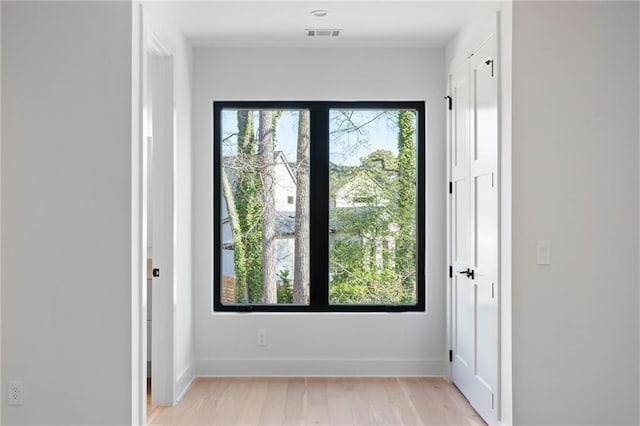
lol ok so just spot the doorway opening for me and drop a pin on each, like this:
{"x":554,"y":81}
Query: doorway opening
{"x":158,"y":136}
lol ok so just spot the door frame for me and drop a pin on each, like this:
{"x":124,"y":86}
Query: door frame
{"x":161,"y":65}
{"x":499,"y":26}
{"x":144,"y":42}
{"x":163,"y":388}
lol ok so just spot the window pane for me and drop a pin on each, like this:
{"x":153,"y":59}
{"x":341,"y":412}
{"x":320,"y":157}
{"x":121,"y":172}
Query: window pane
{"x":372,"y":216}
{"x":265,"y":207}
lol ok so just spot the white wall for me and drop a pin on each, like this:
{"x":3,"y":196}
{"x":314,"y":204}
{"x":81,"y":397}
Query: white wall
{"x":575,"y":183}
{"x":137,"y":234}
{"x":505,"y":41}
{"x":66,"y":211}
{"x":1,"y":381}
{"x":365,"y":343}
{"x":160,"y":23}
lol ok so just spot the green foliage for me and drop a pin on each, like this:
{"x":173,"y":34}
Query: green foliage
{"x":368,"y":222}
{"x":356,"y":280}
{"x":274,"y":126}
{"x":247,"y":197}
{"x":285,"y":291}
{"x":284,"y":295}
{"x":240,"y":270}
{"x":285,"y":277}
{"x":380,"y":159}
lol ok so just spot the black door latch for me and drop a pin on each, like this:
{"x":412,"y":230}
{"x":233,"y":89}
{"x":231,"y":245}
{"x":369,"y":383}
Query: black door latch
{"x":468,"y":272}
{"x":155,"y":272}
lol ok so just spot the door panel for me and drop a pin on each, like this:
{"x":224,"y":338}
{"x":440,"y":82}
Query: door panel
{"x":487,"y":336}
{"x":464,"y":305}
{"x":485,"y":225}
{"x":461,"y":215}
{"x":486,"y":106}
{"x":461,"y":117}
{"x":474,"y":231}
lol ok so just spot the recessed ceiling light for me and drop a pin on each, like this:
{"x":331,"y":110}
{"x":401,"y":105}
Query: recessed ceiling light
{"x":320,"y":13}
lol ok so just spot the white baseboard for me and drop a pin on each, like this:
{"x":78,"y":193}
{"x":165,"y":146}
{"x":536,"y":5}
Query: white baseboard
{"x":320,"y":367}
{"x":184,"y":381}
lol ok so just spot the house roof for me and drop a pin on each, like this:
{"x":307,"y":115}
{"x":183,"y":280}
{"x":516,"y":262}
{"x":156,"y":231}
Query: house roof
{"x":354,"y":171}
{"x":285,"y":223}
{"x":228,"y":162}
{"x":279,"y":155}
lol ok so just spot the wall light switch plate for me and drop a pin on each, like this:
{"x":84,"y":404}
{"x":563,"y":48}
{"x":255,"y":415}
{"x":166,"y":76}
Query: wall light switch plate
{"x":543,"y":253}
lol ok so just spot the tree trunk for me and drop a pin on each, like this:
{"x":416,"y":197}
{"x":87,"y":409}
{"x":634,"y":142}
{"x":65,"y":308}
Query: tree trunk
{"x":267,"y":175}
{"x":238,"y":245}
{"x":248,"y":205}
{"x":405,"y":241}
{"x":301,"y":255}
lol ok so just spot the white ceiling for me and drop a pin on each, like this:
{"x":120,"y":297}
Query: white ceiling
{"x":282,"y":23}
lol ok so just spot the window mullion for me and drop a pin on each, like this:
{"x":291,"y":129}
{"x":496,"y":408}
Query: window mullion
{"x":319,"y":206}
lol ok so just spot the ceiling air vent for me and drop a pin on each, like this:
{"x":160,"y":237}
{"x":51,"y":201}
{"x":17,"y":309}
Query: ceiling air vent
{"x":322,"y":33}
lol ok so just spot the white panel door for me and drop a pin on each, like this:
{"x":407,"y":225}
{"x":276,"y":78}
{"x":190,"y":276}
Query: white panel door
{"x":474,"y":223}
{"x":462,"y":286}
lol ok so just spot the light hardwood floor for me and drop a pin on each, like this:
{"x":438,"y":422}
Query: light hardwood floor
{"x":318,"y":401}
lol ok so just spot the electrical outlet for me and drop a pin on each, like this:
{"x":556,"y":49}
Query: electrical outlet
{"x":262,"y":338}
{"x":15,"y":393}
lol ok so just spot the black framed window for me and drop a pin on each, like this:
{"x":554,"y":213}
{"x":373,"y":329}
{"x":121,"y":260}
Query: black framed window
{"x":319,"y":206}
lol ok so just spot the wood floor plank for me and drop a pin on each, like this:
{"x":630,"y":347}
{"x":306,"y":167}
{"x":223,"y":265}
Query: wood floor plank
{"x":272,"y":412}
{"x":294,"y":401}
{"x":317,"y":391}
{"x":318,"y":401}
{"x":339,"y":407}
{"x":255,"y":400}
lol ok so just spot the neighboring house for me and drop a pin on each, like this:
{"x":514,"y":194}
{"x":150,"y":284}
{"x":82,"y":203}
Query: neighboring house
{"x":285,"y":200}
{"x":357,"y":193}
{"x":358,"y":189}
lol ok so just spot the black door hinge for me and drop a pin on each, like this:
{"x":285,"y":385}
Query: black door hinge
{"x":490,"y":62}
{"x":450,"y":99}
{"x":450,"y":355}
{"x":450,"y":271}
{"x":450,"y":187}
